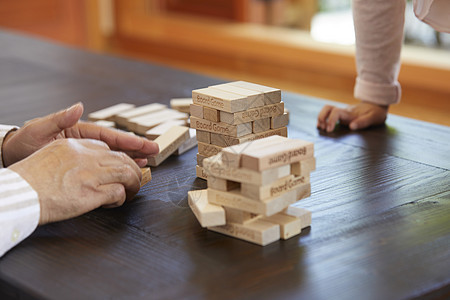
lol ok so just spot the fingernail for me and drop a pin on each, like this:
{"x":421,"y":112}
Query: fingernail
{"x":73,"y":107}
{"x":353,"y":126}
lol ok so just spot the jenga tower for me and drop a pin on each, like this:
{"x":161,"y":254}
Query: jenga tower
{"x":251,"y":189}
{"x":232,"y":113}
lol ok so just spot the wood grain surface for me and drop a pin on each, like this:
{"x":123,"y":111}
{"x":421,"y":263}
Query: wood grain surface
{"x":380,"y":203}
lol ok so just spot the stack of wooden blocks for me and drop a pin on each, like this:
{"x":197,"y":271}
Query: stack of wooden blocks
{"x":251,"y":189}
{"x":232,"y":113}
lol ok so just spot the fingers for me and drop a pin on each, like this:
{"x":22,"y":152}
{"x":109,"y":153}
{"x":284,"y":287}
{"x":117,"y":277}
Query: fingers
{"x":141,"y":162}
{"x":367,"y":120}
{"x":119,"y":168}
{"x":135,"y":146}
{"x":53,"y":124}
{"x":323,"y":116}
{"x":114,"y":195}
{"x":330,"y":115}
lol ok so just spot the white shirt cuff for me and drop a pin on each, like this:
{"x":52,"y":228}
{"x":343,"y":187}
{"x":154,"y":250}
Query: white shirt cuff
{"x":378,"y":93}
{"x":19,"y":210}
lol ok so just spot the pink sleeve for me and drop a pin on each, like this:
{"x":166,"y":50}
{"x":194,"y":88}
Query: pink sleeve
{"x":379,"y":37}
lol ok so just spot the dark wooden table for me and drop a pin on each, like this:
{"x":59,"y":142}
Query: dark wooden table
{"x":380,"y":202}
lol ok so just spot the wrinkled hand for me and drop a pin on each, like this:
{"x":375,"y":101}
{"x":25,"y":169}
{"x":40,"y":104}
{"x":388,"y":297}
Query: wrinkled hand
{"x":357,"y":116}
{"x":73,"y":177}
{"x":39,"y":132}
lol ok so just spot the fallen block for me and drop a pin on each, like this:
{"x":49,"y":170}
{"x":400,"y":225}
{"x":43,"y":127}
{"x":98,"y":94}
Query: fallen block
{"x":168,"y":143}
{"x":206,"y":213}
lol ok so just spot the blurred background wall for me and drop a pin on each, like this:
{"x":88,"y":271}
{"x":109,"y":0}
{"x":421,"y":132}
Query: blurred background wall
{"x":304,"y":46}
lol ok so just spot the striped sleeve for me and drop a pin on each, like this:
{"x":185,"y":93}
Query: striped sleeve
{"x":19,"y":209}
{"x":19,"y":205}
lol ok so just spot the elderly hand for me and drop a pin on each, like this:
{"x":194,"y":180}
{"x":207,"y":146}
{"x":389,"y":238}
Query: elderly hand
{"x":73,"y":176}
{"x":65,"y":124}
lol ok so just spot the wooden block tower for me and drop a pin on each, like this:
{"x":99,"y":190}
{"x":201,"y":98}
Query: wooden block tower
{"x":251,"y":189}
{"x":232,"y":113}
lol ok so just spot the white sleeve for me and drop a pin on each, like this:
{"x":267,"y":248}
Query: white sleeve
{"x":379,"y":37}
{"x":19,"y":205}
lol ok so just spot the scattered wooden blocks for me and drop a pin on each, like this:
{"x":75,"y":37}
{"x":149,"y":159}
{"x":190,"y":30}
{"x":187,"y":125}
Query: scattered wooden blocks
{"x":181,"y":104}
{"x":109,"y":113}
{"x":158,"y":130}
{"x":257,"y":183}
{"x":142,"y":124}
{"x":122,"y":119}
{"x":104,"y":123}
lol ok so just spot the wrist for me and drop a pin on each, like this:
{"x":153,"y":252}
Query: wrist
{"x":385,"y":107}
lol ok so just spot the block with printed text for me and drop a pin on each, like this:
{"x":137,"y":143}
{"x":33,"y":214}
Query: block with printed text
{"x":258,"y":184}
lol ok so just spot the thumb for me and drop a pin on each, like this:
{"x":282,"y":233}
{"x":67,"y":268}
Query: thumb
{"x":57,"y":122}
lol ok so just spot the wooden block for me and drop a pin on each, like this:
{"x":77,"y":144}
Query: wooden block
{"x":261,"y":125}
{"x":143,"y":125}
{"x":109,"y":112}
{"x":253,"y":114}
{"x":255,"y":98}
{"x":267,"y":207}
{"x":208,"y":149}
{"x":207,"y":214}
{"x":146,"y":176}
{"x":303,"y":214}
{"x":225,"y":141}
{"x":104,"y":123}
{"x":156,"y":131}
{"x":220,"y":100}
{"x":168,"y":143}
{"x":123,"y":118}
{"x":303,"y":191}
{"x":215,"y":166}
{"x":222,"y":184}
{"x":275,"y":155}
{"x":232,"y":155}
{"x":189,"y":144}
{"x":273,"y":189}
{"x":196,"y":111}
{"x":200,"y":172}
{"x":200,"y":159}
{"x":271,"y":95}
{"x":132,"y":122}
{"x":233,"y":215}
{"x":204,"y":136}
{"x":211,"y":114}
{"x":221,"y":128}
{"x":303,"y":167}
{"x":279,"y":121}
{"x":286,"y":111}
{"x":258,"y":231}
{"x":289,"y":225}
{"x":181,"y":104}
